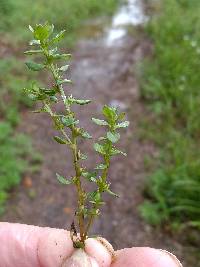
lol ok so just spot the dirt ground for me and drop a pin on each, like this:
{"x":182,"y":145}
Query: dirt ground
{"x":105,"y":74}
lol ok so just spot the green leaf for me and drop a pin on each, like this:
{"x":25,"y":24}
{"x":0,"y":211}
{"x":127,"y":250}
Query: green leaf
{"x":53,"y":98}
{"x":60,"y":140}
{"x":91,"y":176}
{"x":115,"y":151}
{"x":101,"y":167}
{"x":34,"y":92}
{"x":99,"y":148}
{"x":111,"y":193}
{"x":41,"y":96}
{"x":123,"y":124}
{"x":30,"y":28}
{"x":94,"y":197}
{"x":33,"y":52}
{"x":39,"y":110}
{"x":34,"y":42}
{"x":78,"y":101}
{"x":100,"y":122}
{"x":64,"y":68}
{"x":95,"y":212}
{"x":34,"y":66}
{"x":83,"y":156}
{"x":63,"y":180}
{"x":102,"y":138}
{"x":53,"y":51}
{"x":113,"y":137}
{"x":121,"y":116}
{"x":82,"y":102}
{"x":110,"y":113}
{"x":32,"y":97}
{"x":68,"y":121}
{"x":85,"y":134}
{"x":58,"y":37}
{"x":61,"y":56}
{"x":57,"y":123}
{"x":50,"y":92}
{"x":63,"y":81}
{"x":42,"y":32}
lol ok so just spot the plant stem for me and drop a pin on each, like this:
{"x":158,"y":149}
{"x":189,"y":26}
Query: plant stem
{"x":103,"y":178}
{"x":74,"y":148}
{"x":80,"y":191}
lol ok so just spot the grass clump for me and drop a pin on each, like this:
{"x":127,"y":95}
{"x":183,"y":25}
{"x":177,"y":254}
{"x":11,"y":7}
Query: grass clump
{"x":14,"y":150}
{"x":11,"y":98}
{"x":170,"y":85}
{"x":71,"y":12}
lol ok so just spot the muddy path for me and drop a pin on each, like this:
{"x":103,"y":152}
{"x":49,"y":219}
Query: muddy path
{"x":103,"y":69}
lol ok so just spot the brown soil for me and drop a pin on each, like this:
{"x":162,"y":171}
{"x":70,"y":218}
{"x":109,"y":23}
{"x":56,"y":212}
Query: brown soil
{"x":104,"y":74}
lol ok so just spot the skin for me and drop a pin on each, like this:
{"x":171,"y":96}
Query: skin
{"x":32,"y":246}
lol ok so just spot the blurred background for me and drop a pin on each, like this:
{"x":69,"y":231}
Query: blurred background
{"x":142,"y":56}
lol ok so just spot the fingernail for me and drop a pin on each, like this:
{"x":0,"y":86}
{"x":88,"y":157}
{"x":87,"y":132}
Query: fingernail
{"x":79,"y":259}
{"x":173,"y":257}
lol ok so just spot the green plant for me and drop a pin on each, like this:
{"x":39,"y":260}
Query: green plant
{"x":171,"y":84}
{"x":173,"y":189}
{"x":11,"y":98}
{"x":66,"y":123}
{"x":14,"y":150}
{"x":170,"y":87}
{"x":72,"y":12}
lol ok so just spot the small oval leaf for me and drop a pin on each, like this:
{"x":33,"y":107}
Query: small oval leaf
{"x":101,"y":167}
{"x":33,"y":52}
{"x":123,"y":124}
{"x":99,"y":148}
{"x":85,"y":134}
{"x":100,"y":122}
{"x":34,"y":66}
{"x":64,"y":68}
{"x":63,"y":180}
{"x":60,"y":140}
{"x":113,"y":137}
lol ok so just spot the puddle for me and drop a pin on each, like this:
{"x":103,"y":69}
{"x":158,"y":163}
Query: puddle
{"x":131,"y":13}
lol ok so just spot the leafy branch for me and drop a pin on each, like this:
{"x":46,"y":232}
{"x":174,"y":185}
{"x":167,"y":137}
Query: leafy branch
{"x":66,"y":123}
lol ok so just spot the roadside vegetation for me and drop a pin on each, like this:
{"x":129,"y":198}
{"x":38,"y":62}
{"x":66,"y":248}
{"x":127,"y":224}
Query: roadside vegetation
{"x":170,"y":83}
{"x":16,"y":148}
{"x":16,"y":15}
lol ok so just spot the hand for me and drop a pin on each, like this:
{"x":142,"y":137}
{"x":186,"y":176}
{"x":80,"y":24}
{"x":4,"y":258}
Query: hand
{"x":32,"y":246}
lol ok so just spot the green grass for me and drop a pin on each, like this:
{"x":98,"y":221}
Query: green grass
{"x":15,"y":148}
{"x":170,"y":83}
{"x":12,"y":99}
{"x":70,"y":14}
